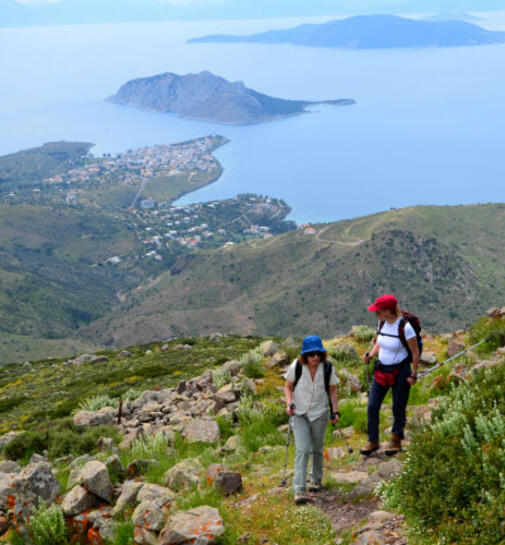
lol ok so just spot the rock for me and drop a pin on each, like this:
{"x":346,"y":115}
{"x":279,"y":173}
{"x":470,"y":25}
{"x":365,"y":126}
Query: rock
{"x":458,"y":374}
{"x":8,"y":466}
{"x":140,"y":467}
{"x":115,"y":466}
{"x":98,"y":359}
{"x":104,"y":417}
{"x":202,"y":430}
{"x":289,"y":342}
{"x":105,"y":443}
{"x":155,"y":492}
{"x":228,"y":482}
{"x":428,"y":358}
{"x":277,"y":360}
{"x":142,"y":536}
{"x":352,"y":383}
{"x":165,"y":347}
{"x":7,"y":438}
{"x":334,"y":453}
{"x":226,"y":394}
{"x":185,"y":474}
{"x":493,"y":312}
{"x":128,"y":497}
{"x":148,"y":352}
{"x":77,"y":501}
{"x":384,"y":472}
{"x":201,"y":526}
{"x":367,"y":538}
{"x":484,"y":364}
{"x":36,"y":458}
{"x":95,"y":478}
{"x":388,"y":469}
{"x":454,"y":347}
{"x":213,"y":471}
{"x":215,"y":337}
{"x":232,"y":444}
{"x":269,"y":348}
{"x":248,"y":385}
{"x":349,"y":476}
{"x":124,"y":354}
{"x":183,"y":347}
{"x":232,"y":366}
{"x":150,"y":515}
{"x":347,"y":349}
{"x":501,"y":351}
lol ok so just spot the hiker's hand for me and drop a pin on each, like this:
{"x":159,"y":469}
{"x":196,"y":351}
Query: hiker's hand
{"x":334,"y":419}
{"x":290,"y":409}
{"x":412,"y":380}
{"x":367,"y":357}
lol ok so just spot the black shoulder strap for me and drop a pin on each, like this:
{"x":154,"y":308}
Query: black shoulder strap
{"x":401,"y":334}
{"x":327,"y":375}
{"x":298,"y":373}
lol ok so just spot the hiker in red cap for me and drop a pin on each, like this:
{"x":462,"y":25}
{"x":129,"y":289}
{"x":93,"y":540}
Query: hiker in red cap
{"x":396,"y":346}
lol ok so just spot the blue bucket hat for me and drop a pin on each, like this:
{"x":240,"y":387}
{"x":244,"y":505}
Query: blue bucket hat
{"x":312,"y":343}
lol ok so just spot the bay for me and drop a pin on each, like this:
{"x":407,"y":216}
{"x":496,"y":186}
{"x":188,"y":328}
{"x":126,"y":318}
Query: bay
{"x":427,"y":127}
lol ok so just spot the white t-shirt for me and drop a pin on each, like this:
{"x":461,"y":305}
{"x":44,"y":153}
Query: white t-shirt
{"x":391,"y":349}
{"x":309,"y":395}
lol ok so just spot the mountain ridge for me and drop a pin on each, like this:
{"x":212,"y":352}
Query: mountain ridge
{"x":371,"y":32}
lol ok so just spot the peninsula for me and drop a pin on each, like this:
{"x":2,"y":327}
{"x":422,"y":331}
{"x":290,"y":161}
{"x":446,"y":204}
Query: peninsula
{"x":372,"y":32}
{"x":208,"y":97}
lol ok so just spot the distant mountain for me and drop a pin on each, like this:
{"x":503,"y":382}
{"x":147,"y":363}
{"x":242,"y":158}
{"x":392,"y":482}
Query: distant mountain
{"x":452,"y":16}
{"x":208,"y":97}
{"x":13,"y":13}
{"x":372,"y":32}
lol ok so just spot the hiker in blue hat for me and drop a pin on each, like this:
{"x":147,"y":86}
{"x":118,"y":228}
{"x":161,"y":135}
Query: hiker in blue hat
{"x":311,"y":400}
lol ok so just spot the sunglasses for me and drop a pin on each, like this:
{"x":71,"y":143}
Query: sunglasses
{"x":314,"y":353}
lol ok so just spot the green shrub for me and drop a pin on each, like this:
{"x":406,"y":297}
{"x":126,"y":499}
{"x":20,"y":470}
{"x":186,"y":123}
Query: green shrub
{"x":225,"y":423}
{"x":24,"y":445}
{"x":220,"y":377}
{"x":123,"y":534}
{"x":149,"y":447}
{"x":363,"y":333}
{"x":130,"y":395}
{"x":96,"y":403}
{"x":47,"y":526}
{"x":344,"y":357}
{"x":453,"y":483}
{"x":258,"y":423}
{"x":252,"y":363}
{"x":492,"y":329}
{"x":65,"y":438}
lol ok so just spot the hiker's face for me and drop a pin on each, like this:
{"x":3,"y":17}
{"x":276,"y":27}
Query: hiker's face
{"x":314,"y":358}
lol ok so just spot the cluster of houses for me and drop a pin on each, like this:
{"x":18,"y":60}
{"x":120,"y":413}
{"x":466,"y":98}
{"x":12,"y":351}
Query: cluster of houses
{"x":131,"y":167}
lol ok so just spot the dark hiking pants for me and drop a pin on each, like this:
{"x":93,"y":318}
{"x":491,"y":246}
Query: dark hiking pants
{"x":401,"y":392}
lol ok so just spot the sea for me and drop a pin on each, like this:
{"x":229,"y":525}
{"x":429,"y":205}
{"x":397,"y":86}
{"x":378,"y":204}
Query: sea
{"x":427,"y":127}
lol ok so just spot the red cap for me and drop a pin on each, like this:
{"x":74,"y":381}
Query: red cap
{"x":384,"y":302}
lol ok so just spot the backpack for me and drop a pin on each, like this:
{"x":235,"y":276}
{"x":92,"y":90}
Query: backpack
{"x":414,"y":321}
{"x":327,"y":374}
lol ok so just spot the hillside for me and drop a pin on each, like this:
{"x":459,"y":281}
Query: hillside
{"x":443,"y":263}
{"x":208,"y":97}
{"x":372,"y":32}
{"x":200,"y":446}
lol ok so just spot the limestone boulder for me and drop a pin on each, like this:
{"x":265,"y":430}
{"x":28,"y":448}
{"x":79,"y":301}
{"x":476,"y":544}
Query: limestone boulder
{"x":269,"y":348}
{"x":199,"y":526}
{"x":95,"y":478}
{"x":185,"y":474}
{"x":229,"y":482}
{"x":104,"y":417}
{"x":428,"y":358}
{"x":154,"y":492}
{"x":149,"y":514}
{"x":128,"y":496}
{"x":202,"y":430}
{"x":77,"y":501}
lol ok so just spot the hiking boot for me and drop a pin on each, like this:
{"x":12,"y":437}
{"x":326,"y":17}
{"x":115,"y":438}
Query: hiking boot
{"x":369,"y":448}
{"x":394,"y":446}
{"x":315,"y":487}
{"x":301,"y":499}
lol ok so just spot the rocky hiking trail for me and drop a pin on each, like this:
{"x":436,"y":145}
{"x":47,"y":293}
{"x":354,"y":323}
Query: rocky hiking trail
{"x":200,"y":461}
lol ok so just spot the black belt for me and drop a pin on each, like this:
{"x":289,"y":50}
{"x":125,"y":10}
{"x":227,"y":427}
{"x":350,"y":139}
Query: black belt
{"x":378,"y":366}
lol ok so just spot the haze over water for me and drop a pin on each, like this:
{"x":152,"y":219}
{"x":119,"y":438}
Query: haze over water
{"x":427,"y":127}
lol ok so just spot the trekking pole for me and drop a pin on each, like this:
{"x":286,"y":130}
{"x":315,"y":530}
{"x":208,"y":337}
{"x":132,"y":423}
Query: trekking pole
{"x":350,"y":450}
{"x":284,"y":482}
{"x":435,"y":367}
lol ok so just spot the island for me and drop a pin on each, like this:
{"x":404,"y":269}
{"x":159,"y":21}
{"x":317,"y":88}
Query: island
{"x":372,"y":32}
{"x":208,"y":97}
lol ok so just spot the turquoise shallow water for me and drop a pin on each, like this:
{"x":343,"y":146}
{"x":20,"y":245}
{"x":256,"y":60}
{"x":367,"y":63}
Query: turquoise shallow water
{"x":427,"y":127}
